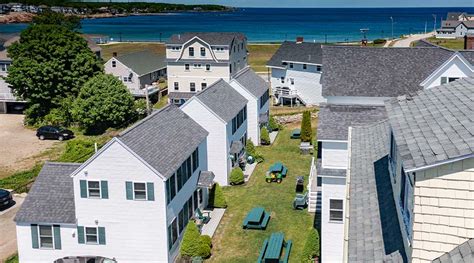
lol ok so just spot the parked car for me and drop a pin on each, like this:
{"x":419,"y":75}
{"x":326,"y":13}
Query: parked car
{"x":54,"y":132}
{"x":6,"y":199}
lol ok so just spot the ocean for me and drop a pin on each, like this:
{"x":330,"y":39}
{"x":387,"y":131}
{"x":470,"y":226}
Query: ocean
{"x":270,"y":24}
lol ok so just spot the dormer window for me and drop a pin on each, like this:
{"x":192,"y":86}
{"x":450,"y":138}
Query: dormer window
{"x":203,"y":52}
{"x":114,"y":63}
{"x":191,"y":52}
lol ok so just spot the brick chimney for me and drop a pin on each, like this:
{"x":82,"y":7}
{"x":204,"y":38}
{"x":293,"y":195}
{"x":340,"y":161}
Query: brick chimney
{"x":469,"y":42}
{"x":114,"y":54}
{"x":299,"y":40}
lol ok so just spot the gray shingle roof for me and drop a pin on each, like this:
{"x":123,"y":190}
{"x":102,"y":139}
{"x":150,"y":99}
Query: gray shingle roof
{"x":143,"y":62}
{"x":222,"y":99}
{"x":164,"y":139}
{"x":51,"y":198}
{"x":297,"y":52}
{"x":334,"y":120}
{"x":435,"y":125}
{"x":463,"y":253}
{"x":374,"y":231}
{"x":378,"y":72}
{"x":329,"y":171}
{"x":252,"y":82}
{"x":212,"y":38}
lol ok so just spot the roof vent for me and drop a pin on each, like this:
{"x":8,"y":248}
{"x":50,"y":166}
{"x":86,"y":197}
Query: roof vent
{"x":299,"y":40}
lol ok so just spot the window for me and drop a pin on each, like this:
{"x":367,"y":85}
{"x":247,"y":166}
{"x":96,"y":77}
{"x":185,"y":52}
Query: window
{"x":171,"y":188}
{"x":175,"y":48}
{"x":282,"y":79}
{"x":318,"y":68}
{"x":208,"y":67}
{"x":186,"y":66}
{"x":114,"y":63}
{"x":452,"y":79}
{"x":406,"y":199}
{"x":230,"y":68}
{"x":203,"y":86}
{"x":93,"y":189}
{"x":200,"y":195}
{"x":191,"y":52}
{"x":195,"y":159}
{"x":181,"y":220}
{"x":46,"y":237}
{"x":176,"y":86}
{"x":305,"y":66}
{"x":172,"y":233}
{"x":292,"y":81}
{"x":190,"y":207}
{"x":91,"y":235}
{"x":203,"y":52}
{"x":182,"y":175}
{"x":264,"y":98}
{"x":139,"y":191}
{"x":291,"y":65}
{"x":335,"y":210}
{"x":192,"y":86}
{"x":393,"y":156}
{"x":238,"y":120}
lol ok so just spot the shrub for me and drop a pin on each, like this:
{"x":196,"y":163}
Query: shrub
{"x":380,"y":41}
{"x":77,"y":150}
{"x":311,"y":247}
{"x":216,"y":197}
{"x":264,"y":136}
{"x":140,"y":108}
{"x":272,"y":124}
{"x":306,"y":132}
{"x":191,"y":244}
{"x":237,"y":176}
{"x":206,"y":240}
{"x":252,"y":151}
{"x":61,"y":116}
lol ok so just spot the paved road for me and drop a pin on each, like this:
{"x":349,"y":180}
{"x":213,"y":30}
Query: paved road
{"x":406,"y":42}
{"x":8,"y":244}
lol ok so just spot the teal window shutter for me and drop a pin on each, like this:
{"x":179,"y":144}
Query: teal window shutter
{"x":34,"y":236}
{"x":101,"y":235}
{"x":104,"y":189}
{"x":129,"y":189}
{"x":57,"y":236}
{"x":83,"y":184}
{"x":80,"y":234}
{"x":150,"y":191}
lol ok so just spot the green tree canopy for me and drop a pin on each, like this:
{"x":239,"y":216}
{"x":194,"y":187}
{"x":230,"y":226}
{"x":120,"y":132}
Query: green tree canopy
{"x":103,"y":102}
{"x":50,"y":63}
{"x":306,"y":132}
{"x":49,"y":17}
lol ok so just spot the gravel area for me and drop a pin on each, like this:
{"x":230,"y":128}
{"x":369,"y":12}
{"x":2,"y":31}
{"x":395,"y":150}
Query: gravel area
{"x":8,"y":244}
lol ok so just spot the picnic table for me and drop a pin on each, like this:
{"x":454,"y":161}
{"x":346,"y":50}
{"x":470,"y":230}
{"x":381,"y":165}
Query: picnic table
{"x":272,"y":249}
{"x":295,"y":134}
{"x":257,"y":218}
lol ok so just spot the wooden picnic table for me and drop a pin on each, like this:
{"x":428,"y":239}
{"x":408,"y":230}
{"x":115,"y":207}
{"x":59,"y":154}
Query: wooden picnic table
{"x":257,"y":218}
{"x":272,"y":249}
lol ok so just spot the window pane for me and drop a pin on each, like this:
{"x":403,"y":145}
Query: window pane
{"x":335,"y":204}
{"x":94,"y":193}
{"x":140,"y":195}
{"x":46,"y":242}
{"x":91,"y":238}
{"x":174,"y":226}
{"x":91,"y":230}
{"x":139,"y":186}
{"x":45,"y":231}
{"x":335,"y":215}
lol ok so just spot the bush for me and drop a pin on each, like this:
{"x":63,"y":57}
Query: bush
{"x":140,"y":108}
{"x":205,"y":247}
{"x":206,"y":240}
{"x":77,"y":151}
{"x":311,"y":247}
{"x":191,"y":244}
{"x":252,"y":151}
{"x":236,"y":176}
{"x":306,"y":132}
{"x":272,"y":124}
{"x":380,"y":41}
{"x":216,"y":197}
{"x":264,"y":136}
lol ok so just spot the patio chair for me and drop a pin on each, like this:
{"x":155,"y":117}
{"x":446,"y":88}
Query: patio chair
{"x":203,"y":218}
{"x":300,"y":201}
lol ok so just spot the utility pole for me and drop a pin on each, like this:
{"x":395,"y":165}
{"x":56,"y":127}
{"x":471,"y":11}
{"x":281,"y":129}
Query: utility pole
{"x":391,"y":18}
{"x":434,"y":25}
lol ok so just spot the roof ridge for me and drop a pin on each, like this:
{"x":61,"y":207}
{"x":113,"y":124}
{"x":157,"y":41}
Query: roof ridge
{"x":241,"y":72}
{"x":61,"y":163}
{"x":144,"y":120}
{"x":210,"y":87}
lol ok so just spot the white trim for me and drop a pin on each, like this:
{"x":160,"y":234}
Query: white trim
{"x":183,"y":47}
{"x":204,"y":105}
{"x":345,"y":253}
{"x":96,"y":234}
{"x":298,"y":62}
{"x":446,"y":63}
{"x":274,"y":67}
{"x":333,"y":140}
{"x":460,"y":158}
{"x":243,"y":87}
{"x":146,"y":190}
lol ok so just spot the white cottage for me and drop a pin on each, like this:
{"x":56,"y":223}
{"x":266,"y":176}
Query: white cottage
{"x":222,"y":111}
{"x":256,"y":91}
{"x":130,"y":202}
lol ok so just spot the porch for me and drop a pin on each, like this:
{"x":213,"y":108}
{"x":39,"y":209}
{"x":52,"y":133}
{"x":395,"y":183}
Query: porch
{"x":216,"y":215}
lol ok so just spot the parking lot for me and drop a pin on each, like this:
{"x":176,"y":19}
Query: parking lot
{"x":18,"y":144}
{"x":8,"y":244}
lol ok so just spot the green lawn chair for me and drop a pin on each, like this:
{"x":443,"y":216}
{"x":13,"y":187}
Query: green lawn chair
{"x":300,"y":201}
{"x":201,"y":217}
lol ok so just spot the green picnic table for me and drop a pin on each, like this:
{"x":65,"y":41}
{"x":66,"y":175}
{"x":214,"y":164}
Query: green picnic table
{"x":272,"y":249}
{"x":257,"y":218}
{"x":295,"y":134}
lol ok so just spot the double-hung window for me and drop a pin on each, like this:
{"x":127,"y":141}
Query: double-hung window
{"x":318,"y":68}
{"x":291,"y":65}
{"x":114,"y":63}
{"x":335,"y":210}
{"x":91,"y":235}
{"x":305,"y":66}
{"x":46,"y":237}
{"x":186,"y":66}
{"x":203,"y":52}
{"x":176,"y":86}
{"x":208,"y":67}
{"x":192,"y":86}
{"x":203,"y":86}
{"x":139,"y":191}
{"x":94,"y":189}
{"x":191,"y":52}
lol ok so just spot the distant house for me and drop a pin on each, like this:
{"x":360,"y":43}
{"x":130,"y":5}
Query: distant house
{"x":356,"y":83}
{"x":197,"y":60}
{"x":410,"y":176}
{"x":296,"y":69}
{"x":257,"y":92}
{"x":456,"y":25}
{"x":129,"y":202}
{"x":223,"y":112}
{"x":138,"y":71}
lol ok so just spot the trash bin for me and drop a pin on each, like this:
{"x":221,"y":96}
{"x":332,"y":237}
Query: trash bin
{"x":299,"y":184}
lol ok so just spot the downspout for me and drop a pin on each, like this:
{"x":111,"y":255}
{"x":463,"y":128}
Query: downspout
{"x":347,"y":205}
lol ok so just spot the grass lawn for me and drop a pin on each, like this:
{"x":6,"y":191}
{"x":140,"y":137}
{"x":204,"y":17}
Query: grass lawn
{"x":448,"y":43}
{"x":233,"y":244}
{"x":284,"y":110}
{"x":258,"y":58}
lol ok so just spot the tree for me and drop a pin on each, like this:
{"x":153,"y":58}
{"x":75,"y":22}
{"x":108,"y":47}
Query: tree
{"x":311,"y":247}
{"x":237,"y":176}
{"x":306,"y":132}
{"x":272,"y":123}
{"x":216,"y":197}
{"x":264,"y":136}
{"x":103,"y":102}
{"x":50,"y":63}
{"x":49,"y":17}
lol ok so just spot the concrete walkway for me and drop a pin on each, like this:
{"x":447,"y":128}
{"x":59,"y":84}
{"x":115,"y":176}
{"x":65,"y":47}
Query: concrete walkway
{"x":273,"y":136}
{"x":216,"y":217}
{"x":406,"y":42}
{"x":249,"y":170}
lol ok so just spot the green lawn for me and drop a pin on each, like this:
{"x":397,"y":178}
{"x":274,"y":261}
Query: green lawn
{"x":231,"y":242}
{"x":260,"y":54}
{"x":448,"y":43}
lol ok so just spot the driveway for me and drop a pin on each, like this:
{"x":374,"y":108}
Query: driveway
{"x":8,"y":244}
{"x":406,"y":42}
{"x":18,"y":144}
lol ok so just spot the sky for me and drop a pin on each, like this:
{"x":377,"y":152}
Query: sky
{"x":330,"y":3}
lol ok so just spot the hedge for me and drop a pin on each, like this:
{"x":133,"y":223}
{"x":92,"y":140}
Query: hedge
{"x":306,"y":132}
{"x":237,"y":176}
{"x":216,"y":197}
{"x":311,"y":248}
{"x":193,"y":244}
{"x":264,"y":136}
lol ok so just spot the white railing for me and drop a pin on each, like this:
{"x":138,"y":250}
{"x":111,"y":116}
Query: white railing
{"x":312,"y":188}
{"x":285,"y":92}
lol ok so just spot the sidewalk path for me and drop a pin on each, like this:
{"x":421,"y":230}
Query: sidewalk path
{"x":406,"y":42}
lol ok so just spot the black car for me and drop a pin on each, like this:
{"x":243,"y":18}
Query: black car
{"x":6,"y":199}
{"x":54,"y":132}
